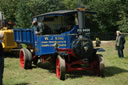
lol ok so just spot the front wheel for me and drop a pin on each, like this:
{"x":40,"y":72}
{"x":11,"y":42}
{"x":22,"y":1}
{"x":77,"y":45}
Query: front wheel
{"x":101,"y":64}
{"x":60,"y":67}
{"x":98,"y":66}
{"x":25,"y":58}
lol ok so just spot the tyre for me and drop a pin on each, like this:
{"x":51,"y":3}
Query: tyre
{"x":25,"y":58}
{"x":101,"y":64}
{"x":60,"y":67}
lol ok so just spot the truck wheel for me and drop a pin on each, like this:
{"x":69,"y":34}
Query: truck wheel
{"x":101,"y":64}
{"x":25,"y":58}
{"x":60,"y":67}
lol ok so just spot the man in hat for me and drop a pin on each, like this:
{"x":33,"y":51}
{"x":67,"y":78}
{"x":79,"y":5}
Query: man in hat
{"x":41,"y":28}
{"x":120,"y":41}
{"x":35,"y":23}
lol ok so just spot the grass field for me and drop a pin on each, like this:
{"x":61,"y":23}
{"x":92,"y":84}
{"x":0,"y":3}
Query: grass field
{"x":116,"y":71}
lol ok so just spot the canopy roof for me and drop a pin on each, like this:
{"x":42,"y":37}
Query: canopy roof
{"x":61,"y":13}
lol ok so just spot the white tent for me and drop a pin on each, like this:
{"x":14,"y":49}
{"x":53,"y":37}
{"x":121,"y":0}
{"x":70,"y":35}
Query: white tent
{"x":1,"y":16}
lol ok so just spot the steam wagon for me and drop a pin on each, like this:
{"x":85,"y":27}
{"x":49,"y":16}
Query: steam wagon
{"x":63,"y":40}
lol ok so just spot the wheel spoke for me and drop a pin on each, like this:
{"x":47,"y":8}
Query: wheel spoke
{"x":22,"y":59}
{"x":58,"y":68}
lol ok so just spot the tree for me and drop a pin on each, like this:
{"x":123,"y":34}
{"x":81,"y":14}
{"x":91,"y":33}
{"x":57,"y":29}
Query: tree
{"x":123,"y":22}
{"x":73,"y":4}
{"x":41,"y":6}
{"x":9,"y":8}
{"x":24,"y":15}
{"x":111,"y":15}
{"x":108,"y":12}
{"x":22,"y":11}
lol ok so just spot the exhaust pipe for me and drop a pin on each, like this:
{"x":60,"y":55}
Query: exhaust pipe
{"x":81,"y":21}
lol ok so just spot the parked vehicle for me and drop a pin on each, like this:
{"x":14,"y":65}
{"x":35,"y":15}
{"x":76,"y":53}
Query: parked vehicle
{"x":8,"y":42}
{"x":64,"y":41}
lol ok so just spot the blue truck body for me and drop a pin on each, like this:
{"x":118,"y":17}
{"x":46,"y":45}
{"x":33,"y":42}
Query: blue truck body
{"x":44,"y":44}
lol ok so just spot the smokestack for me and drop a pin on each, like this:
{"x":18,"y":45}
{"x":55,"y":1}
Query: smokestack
{"x":81,"y":18}
{"x":81,"y":21}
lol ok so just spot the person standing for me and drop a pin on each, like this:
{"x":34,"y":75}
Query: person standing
{"x":1,"y":59}
{"x":98,"y":42}
{"x":39,"y":27}
{"x":120,"y":41}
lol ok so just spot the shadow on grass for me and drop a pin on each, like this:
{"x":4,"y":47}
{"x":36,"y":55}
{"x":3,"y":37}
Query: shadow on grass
{"x":108,"y":72}
{"x":78,"y":74}
{"x":23,"y":84}
{"x":112,"y":70}
{"x":75,"y":74}
{"x":11,"y":55}
{"x":48,"y":66}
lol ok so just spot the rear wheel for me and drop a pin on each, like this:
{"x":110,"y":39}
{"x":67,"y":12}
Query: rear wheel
{"x":25,"y":58}
{"x":60,"y":68}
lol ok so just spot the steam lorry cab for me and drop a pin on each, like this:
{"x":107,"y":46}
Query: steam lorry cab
{"x":62,"y":39}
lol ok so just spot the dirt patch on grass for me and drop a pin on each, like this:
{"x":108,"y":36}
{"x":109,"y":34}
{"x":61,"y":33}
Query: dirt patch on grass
{"x":105,"y":43}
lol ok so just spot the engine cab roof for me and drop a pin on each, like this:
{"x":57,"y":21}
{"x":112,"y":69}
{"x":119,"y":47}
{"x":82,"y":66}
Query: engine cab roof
{"x":61,"y":13}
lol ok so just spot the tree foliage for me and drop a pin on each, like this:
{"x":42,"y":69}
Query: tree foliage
{"x":22,"y":11}
{"x":24,"y":15}
{"x":111,"y":15}
{"x":41,"y":6}
{"x":9,"y":8}
{"x":123,"y":22}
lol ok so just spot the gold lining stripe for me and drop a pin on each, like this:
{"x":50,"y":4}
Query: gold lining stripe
{"x":44,"y":42}
{"x":53,"y":45}
{"x":53,"y":42}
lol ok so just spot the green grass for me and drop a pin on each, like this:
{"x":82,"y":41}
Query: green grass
{"x":116,"y":72}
